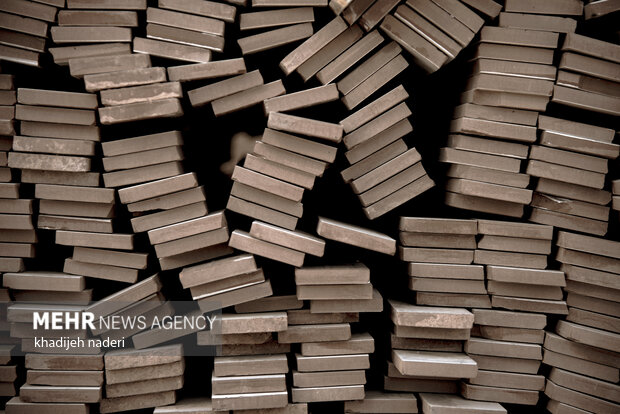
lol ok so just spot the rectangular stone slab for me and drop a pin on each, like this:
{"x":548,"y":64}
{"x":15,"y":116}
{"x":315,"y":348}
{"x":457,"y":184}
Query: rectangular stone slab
{"x":425,"y":284}
{"x":17,"y":406}
{"x":521,"y":290}
{"x":250,"y":400}
{"x":357,"y":236}
{"x":431,"y":333}
{"x":250,"y":365}
{"x":270,"y":304}
{"x":448,"y":404}
{"x":328,"y":378}
{"x":534,"y":336}
{"x":317,"y":333}
{"x":434,"y":364}
{"x":357,"y":273}
{"x":430,"y":317}
{"x":97,"y":240}
{"x":64,"y":362}
{"x":244,"y":241}
{"x":505,"y":395}
{"x":438,"y":225}
{"x":332,"y":362}
{"x":247,"y":98}
{"x":355,"y":305}
{"x":509,"y":319}
{"x":107,"y":257}
{"x":316,"y":394}
{"x":446,"y":270}
{"x":491,"y":363}
{"x":305,"y":126}
{"x":143,"y":387}
{"x":509,"y":380}
{"x":453,"y":241}
{"x":305,"y":317}
{"x":128,"y":375}
{"x":431,"y":255}
{"x":490,"y":347}
{"x":48,"y":281}
{"x":135,"y":402}
{"x":134,"y":358}
{"x":295,"y":240}
{"x":358,"y":344}
{"x":65,"y":378}
{"x":334,"y":292}
{"x":253,"y":322}
{"x":236,"y":296}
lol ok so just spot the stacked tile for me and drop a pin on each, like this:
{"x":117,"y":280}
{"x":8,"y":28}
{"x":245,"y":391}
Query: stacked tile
{"x":588,"y":75}
{"x":599,"y":8}
{"x":60,"y":382}
{"x":440,"y":253}
{"x":18,"y":236}
{"x":138,"y":379}
{"x":427,"y":349}
{"x":285,"y":26}
{"x":513,"y":80}
{"x":615,"y":190}
{"x":571,"y":163}
{"x":185,"y":31}
{"x":255,"y":379}
{"x":23,"y":29}
{"x":270,"y":185}
{"x":584,"y":351}
{"x":221,"y":283}
{"x":383,"y":172}
{"x":277,"y":243}
{"x":433,"y":31}
{"x":507,"y":348}
{"x":234,"y":93}
{"x":380,"y":402}
{"x":331,"y":360}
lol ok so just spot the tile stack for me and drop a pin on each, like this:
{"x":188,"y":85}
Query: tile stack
{"x":509,"y":362}
{"x":515,"y":255}
{"x":185,"y":31}
{"x":271,"y":184}
{"x":95,"y":28}
{"x":18,"y":235}
{"x":383,"y":172}
{"x":8,"y":369}
{"x":234,"y":93}
{"x":434,"y":31}
{"x":140,"y":300}
{"x":584,"y":351}
{"x":571,"y":160}
{"x":380,"y":402}
{"x":166,"y":203}
{"x":23,"y":27}
{"x":254,"y":379}
{"x":276,"y":243}
{"x":286,"y":26}
{"x":427,"y":348}
{"x":60,"y":382}
{"x":442,"y":403}
{"x":571,"y":163}
{"x":588,"y":75}
{"x":331,"y":360}
{"x":138,"y":379}
{"x":225,"y":282}
{"x":496,"y":121}
{"x":440,"y":253}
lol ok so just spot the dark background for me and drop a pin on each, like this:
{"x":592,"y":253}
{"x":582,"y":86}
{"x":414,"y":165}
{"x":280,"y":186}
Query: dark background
{"x":207,"y":146}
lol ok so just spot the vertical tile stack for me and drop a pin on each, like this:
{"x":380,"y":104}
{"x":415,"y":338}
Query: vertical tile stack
{"x":440,"y":253}
{"x":291,"y":25}
{"x":8,"y":370}
{"x":330,"y":359}
{"x":91,"y":28}
{"x":615,"y":190}
{"x":383,"y":172}
{"x":137,"y":379}
{"x":584,"y":351}
{"x":427,"y":348}
{"x":185,"y":31}
{"x":225,"y":282}
{"x":435,"y":31}
{"x":507,"y":364}
{"x":571,"y":163}
{"x":276,"y":243}
{"x":270,"y":185}
{"x":572,"y":158}
{"x":18,"y":235}
{"x":57,"y":375}
{"x":23,"y":28}
{"x":250,"y":380}
{"x":71,"y":383}
{"x":507,"y":344}
{"x":496,"y":121}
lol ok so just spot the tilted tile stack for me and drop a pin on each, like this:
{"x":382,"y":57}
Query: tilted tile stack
{"x":572,"y":159}
{"x":24,"y":29}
